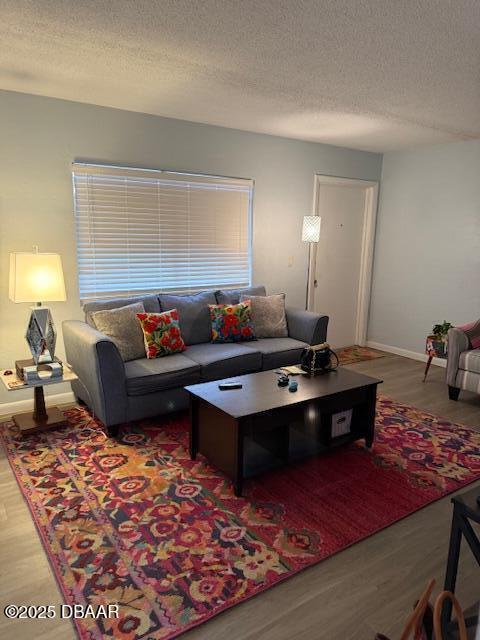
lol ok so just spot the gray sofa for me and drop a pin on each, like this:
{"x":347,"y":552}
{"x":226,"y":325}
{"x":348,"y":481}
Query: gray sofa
{"x":118,"y":392}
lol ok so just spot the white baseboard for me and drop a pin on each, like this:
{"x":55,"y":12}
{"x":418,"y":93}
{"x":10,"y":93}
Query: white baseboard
{"x":12,"y":408}
{"x":398,"y":351}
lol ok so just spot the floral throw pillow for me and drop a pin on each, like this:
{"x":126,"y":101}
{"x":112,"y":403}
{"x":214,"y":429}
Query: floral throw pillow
{"x":231,"y":322}
{"x":161,"y":333}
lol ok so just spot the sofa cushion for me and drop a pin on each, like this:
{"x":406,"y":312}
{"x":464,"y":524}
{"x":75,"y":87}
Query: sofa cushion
{"x":123,"y":327}
{"x":193,"y":313}
{"x":225,"y":360}
{"x":150,"y":304}
{"x":149,"y":376}
{"x":470,"y":361}
{"x":278,"y":352}
{"x":232,"y":296}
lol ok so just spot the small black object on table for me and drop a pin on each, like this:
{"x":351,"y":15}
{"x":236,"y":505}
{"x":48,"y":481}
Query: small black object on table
{"x":283,"y":381}
{"x":466,"y":509}
{"x":227,"y":386}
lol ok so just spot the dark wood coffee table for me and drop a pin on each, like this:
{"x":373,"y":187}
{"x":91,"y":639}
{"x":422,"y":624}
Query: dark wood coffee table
{"x":220,"y":420}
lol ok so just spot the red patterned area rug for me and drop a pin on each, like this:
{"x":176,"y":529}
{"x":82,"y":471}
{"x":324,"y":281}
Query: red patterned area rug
{"x":135,"y":522}
{"x":349,"y":355}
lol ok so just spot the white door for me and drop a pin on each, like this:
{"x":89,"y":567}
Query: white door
{"x":339,"y":258}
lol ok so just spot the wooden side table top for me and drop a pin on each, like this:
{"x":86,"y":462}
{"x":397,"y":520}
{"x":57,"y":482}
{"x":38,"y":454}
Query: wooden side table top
{"x":41,"y":418}
{"x":13,"y":383}
{"x":435,"y":347}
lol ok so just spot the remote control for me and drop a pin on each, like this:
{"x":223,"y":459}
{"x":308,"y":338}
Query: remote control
{"x":225,"y":386}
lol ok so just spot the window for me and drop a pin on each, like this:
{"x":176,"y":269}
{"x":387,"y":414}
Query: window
{"x":141,"y":231}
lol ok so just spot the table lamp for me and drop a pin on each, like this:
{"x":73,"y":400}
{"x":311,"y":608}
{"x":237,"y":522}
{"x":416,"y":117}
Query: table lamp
{"x":311,"y":234}
{"x":38,"y":277}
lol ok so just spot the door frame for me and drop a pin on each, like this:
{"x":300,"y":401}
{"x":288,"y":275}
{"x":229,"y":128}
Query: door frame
{"x":368,"y":243}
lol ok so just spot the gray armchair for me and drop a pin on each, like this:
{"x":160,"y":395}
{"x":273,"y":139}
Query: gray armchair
{"x":463,"y":364}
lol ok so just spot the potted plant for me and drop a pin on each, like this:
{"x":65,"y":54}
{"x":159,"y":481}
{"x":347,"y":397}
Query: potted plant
{"x":440,"y":331}
{"x":438,"y":339}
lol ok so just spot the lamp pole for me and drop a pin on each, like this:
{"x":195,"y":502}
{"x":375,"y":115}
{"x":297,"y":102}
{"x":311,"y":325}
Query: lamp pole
{"x":307,"y":301}
{"x":310,"y":234}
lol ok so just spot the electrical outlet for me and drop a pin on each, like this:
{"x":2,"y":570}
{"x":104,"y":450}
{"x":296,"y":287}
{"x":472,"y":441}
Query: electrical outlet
{"x":290,"y":261}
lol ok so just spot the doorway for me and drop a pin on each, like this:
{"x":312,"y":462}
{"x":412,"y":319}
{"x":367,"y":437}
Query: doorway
{"x":341,"y":262}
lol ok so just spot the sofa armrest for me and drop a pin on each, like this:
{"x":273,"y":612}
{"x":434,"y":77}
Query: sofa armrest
{"x":306,"y":326}
{"x":457,"y":343}
{"x":97,"y":362}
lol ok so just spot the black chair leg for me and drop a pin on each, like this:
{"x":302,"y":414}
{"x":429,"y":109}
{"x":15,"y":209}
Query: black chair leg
{"x":453,"y":393}
{"x":113,"y":430}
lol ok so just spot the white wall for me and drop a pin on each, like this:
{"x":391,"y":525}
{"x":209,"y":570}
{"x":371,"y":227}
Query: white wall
{"x":40,"y":137}
{"x":427,"y":252}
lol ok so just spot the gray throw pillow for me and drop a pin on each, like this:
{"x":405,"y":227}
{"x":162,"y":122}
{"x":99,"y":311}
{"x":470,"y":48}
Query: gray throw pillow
{"x":150,"y":303}
{"x":232,"y":296}
{"x":268,"y":315}
{"x":123,"y":327}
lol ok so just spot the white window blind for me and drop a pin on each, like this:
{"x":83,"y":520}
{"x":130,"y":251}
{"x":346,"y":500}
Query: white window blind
{"x":142,"y":231}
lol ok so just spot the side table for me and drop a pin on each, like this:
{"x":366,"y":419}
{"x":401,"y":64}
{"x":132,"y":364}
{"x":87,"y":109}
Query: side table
{"x":41,"y":418}
{"x":466,"y":511}
{"x":434,"y":348}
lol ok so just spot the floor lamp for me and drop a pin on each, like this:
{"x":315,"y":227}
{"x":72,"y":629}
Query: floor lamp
{"x":310,"y":234}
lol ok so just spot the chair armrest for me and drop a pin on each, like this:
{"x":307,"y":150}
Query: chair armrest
{"x":306,"y":326}
{"x":457,"y":343}
{"x":97,"y":362}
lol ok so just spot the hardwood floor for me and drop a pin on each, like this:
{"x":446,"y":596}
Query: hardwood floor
{"x":367,"y":588}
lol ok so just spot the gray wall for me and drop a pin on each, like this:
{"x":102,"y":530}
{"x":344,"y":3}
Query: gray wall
{"x":40,"y":137}
{"x":427,"y":252}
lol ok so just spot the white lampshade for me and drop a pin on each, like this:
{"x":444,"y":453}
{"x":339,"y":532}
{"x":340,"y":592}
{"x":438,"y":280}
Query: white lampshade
{"x":36,"y":277}
{"x":311,"y":228}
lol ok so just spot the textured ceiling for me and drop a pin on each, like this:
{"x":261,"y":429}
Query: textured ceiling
{"x":369,"y":74}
